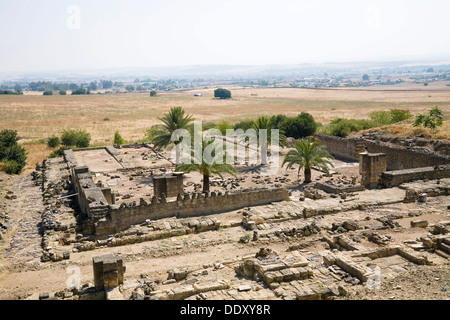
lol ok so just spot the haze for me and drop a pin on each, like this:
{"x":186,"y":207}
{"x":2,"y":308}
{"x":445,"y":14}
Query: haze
{"x":64,"y":35}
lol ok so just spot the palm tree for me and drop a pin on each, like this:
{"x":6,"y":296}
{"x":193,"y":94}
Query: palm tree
{"x":264,"y":122}
{"x":208,"y":167}
{"x":308,"y":154}
{"x":161,"y":135}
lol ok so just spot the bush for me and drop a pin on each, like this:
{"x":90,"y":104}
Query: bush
{"x":11,"y":167}
{"x":223,"y":126}
{"x":208,"y":125}
{"x":382,"y":118}
{"x":12,"y":154}
{"x":53,"y":142}
{"x":398,"y":115}
{"x":152,"y":93}
{"x":343,"y":127}
{"x":62,"y":92}
{"x":80,"y":91}
{"x":79,"y":139}
{"x":276,"y":120}
{"x":298,"y":127}
{"x":48,"y":93}
{"x":222,"y":93}
{"x":244,"y":125}
{"x":118,"y":140}
{"x":58,"y":152}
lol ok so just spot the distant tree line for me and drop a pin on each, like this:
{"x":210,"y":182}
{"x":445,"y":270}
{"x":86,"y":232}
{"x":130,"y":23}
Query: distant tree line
{"x":11,"y":92}
{"x":47,"y":85}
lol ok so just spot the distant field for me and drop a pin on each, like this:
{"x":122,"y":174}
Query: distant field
{"x":38,"y":117}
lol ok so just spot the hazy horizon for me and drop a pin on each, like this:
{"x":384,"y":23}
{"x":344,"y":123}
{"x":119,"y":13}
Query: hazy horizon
{"x":55,"y":35}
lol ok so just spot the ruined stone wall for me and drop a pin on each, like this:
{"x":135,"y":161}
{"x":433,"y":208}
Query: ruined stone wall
{"x":394,"y":178}
{"x":122,"y":217}
{"x":397,"y":158}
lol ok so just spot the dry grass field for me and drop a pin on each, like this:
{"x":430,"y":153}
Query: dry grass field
{"x":38,"y":117}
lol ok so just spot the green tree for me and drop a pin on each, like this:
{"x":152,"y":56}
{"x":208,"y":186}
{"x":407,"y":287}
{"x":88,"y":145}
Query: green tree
{"x":48,"y":93}
{"x":129,"y":88}
{"x":75,"y":138}
{"x":152,"y":93}
{"x":265,"y":122}
{"x":222,"y":93}
{"x":300,"y":126}
{"x":53,"y":142}
{"x":62,"y":92}
{"x":106,"y":84}
{"x":307,"y":154}
{"x":432,"y":120}
{"x":118,"y":140}
{"x":161,"y":135}
{"x":79,"y":91}
{"x":207,"y":167}
{"x":12,"y":154}
{"x":93,"y":86}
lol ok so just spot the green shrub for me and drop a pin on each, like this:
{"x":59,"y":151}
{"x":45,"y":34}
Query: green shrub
{"x":244,"y":125}
{"x":223,"y":126}
{"x":343,"y":127}
{"x":62,"y":92}
{"x":398,"y":115}
{"x":79,"y":139}
{"x":277,"y":120}
{"x":12,"y":154}
{"x":208,"y":125}
{"x":80,"y":90}
{"x":152,"y":93}
{"x":58,"y":152}
{"x":118,"y":140}
{"x":380,"y":118}
{"x":11,"y":167}
{"x":48,"y":93}
{"x":300,"y":126}
{"x":53,"y":142}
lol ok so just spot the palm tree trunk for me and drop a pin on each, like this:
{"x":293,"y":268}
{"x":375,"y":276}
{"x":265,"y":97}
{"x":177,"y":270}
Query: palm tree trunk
{"x":307,"y":175}
{"x":205,"y":183}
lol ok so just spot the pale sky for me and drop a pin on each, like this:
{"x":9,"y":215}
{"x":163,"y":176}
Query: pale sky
{"x":47,"y":35}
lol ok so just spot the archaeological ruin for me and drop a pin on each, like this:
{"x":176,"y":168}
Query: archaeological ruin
{"x":282,"y":239}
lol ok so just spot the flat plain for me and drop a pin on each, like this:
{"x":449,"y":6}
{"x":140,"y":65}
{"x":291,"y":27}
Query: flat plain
{"x":37,"y":117}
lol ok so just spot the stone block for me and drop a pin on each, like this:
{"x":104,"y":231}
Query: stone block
{"x":419,"y":224}
{"x":108,"y":271}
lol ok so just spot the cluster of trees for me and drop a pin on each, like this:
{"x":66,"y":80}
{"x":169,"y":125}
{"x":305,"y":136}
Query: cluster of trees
{"x":12,"y":155}
{"x":11,"y":92}
{"x":306,"y":154}
{"x":50,"y":86}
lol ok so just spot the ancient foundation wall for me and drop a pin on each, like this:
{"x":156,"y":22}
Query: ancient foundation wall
{"x":394,"y":178}
{"x":122,"y":217}
{"x":397,"y":158}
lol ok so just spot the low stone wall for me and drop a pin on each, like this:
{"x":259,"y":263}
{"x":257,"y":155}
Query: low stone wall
{"x":391,"y":179}
{"x":123,"y":216}
{"x":397,"y":158}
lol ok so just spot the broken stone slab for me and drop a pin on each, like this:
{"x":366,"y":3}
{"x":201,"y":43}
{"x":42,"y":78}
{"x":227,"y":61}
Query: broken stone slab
{"x":244,"y":288}
{"x":419,"y":224}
